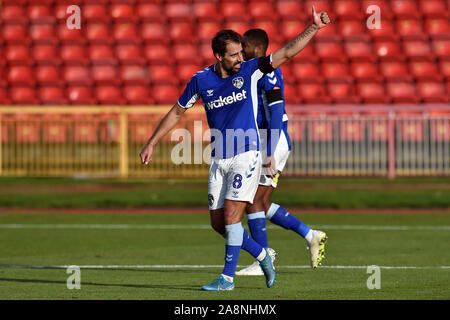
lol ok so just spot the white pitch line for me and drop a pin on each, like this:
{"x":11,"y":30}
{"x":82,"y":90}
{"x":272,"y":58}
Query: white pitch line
{"x":207,"y":227}
{"x":184,"y":266}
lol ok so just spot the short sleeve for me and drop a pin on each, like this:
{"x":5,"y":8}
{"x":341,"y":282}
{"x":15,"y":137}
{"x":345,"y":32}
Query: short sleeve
{"x":190,"y":94}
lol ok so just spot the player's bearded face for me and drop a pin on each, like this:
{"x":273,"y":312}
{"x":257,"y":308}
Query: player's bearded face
{"x":249,"y":50}
{"x":231,"y":61}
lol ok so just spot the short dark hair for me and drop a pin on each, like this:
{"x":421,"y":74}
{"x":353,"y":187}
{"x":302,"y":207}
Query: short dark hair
{"x":222,"y":38}
{"x":258,"y":36}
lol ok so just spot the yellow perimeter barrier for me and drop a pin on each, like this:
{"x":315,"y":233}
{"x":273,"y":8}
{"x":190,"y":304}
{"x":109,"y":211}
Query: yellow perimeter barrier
{"x":90,"y":141}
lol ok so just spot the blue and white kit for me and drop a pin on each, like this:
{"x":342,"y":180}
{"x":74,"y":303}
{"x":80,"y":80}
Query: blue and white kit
{"x":231,"y":106}
{"x":273,"y":124}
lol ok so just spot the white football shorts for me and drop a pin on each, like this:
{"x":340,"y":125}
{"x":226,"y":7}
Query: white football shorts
{"x":234,"y":178}
{"x":280,"y":155}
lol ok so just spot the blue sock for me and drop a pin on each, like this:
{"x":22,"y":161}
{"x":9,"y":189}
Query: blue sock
{"x":233,"y":244}
{"x":278,"y":215}
{"x":251,"y":246}
{"x":257,"y":226}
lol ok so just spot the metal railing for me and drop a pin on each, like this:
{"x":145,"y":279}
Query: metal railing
{"x":326,"y":141}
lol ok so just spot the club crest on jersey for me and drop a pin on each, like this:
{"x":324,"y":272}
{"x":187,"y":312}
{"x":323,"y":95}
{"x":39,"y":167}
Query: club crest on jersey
{"x":238,"y":82}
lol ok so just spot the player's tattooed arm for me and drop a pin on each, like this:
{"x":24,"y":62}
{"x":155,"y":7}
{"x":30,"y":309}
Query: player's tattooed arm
{"x":297,"y":44}
{"x":164,"y":127}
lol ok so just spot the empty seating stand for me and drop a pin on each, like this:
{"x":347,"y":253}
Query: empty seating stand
{"x":145,"y":51}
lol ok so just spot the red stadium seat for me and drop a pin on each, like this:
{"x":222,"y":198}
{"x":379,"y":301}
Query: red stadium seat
{"x":182,"y":32}
{"x":335,"y":71}
{"x":15,"y":34}
{"x":233,"y":9}
{"x":4,"y":99}
{"x":240,"y":26}
{"x":261,"y":10}
{"x":207,"y":30}
{"x":77,"y":75}
{"x":417,"y":50}
{"x":18,"y":55}
{"x":395,"y":71}
{"x":402,"y":92}
{"x":11,"y":14}
{"x":372,"y":92}
{"x":405,"y":9}
{"x":444,"y":68}
{"x":290,"y":28}
{"x":320,"y":130}
{"x":330,"y":51}
{"x":306,"y":71}
{"x":43,"y":34}
{"x":23,"y":95}
{"x":386,"y":32}
{"x":342,"y":93}
{"x":123,"y":12}
{"x":109,"y":94}
{"x":80,"y":95}
{"x":134,"y":74}
{"x":425,"y":70}
{"x":137,"y":94}
{"x":432,"y":92}
{"x":54,"y":131}
{"x":95,"y":12}
{"x":186,"y":52}
{"x":351,"y":130}
{"x":433,"y":8}
{"x":290,"y":9}
{"x":410,"y":29}
{"x":327,"y":34}
{"x":162,"y":74}
{"x":154,"y":32}
{"x":313,"y":93}
{"x":126,"y":33}
{"x":438,"y":28}
{"x":98,"y":33}
{"x":129,"y":54}
{"x":48,"y":75}
{"x":102,"y":54}
{"x":347,"y":9}
{"x":307,"y":54}
{"x":40,"y":13}
{"x":85,"y":132}
{"x":74,"y":54}
{"x":27,"y":130}
{"x":359,"y":51}
{"x":150,"y":11}
{"x":165,"y":94}
{"x":365,"y":71}
{"x":158,"y":53}
{"x":441,"y":48}
{"x":384,"y":5}
{"x":291,"y":94}
{"x":179,"y":11}
{"x":186,"y":71}
{"x":52,"y":95}
{"x":105,"y":75}
{"x":20,"y":75}
{"x":271,"y":27}
{"x":388,"y":50}
{"x":46,"y":54}
{"x":353,"y":29}
{"x":320,"y":5}
{"x":70,"y":36}
{"x":205,"y":11}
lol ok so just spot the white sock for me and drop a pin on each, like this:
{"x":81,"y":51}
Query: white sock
{"x":309,"y":235}
{"x":262,"y":255}
{"x":228,"y":278}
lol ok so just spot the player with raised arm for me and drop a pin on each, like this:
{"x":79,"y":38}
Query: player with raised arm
{"x":275,"y":148}
{"x":228,"y":90}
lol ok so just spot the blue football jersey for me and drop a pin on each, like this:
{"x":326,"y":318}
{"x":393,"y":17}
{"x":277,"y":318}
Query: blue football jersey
{"x":272,"y":115}
{"x":231,"y":106}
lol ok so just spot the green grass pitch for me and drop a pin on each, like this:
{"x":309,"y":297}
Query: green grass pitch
{"x":170,"y":256}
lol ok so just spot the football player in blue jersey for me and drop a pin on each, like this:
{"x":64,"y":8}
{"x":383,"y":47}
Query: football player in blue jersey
{"x":228,"y":90}
{"x":275,"y":148}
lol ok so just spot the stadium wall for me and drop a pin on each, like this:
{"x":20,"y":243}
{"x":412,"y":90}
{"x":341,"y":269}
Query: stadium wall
{"x":104,"y":141}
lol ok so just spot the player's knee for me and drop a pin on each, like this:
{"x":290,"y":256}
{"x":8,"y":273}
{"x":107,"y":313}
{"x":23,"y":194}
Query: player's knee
{"x":218,"y":227}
